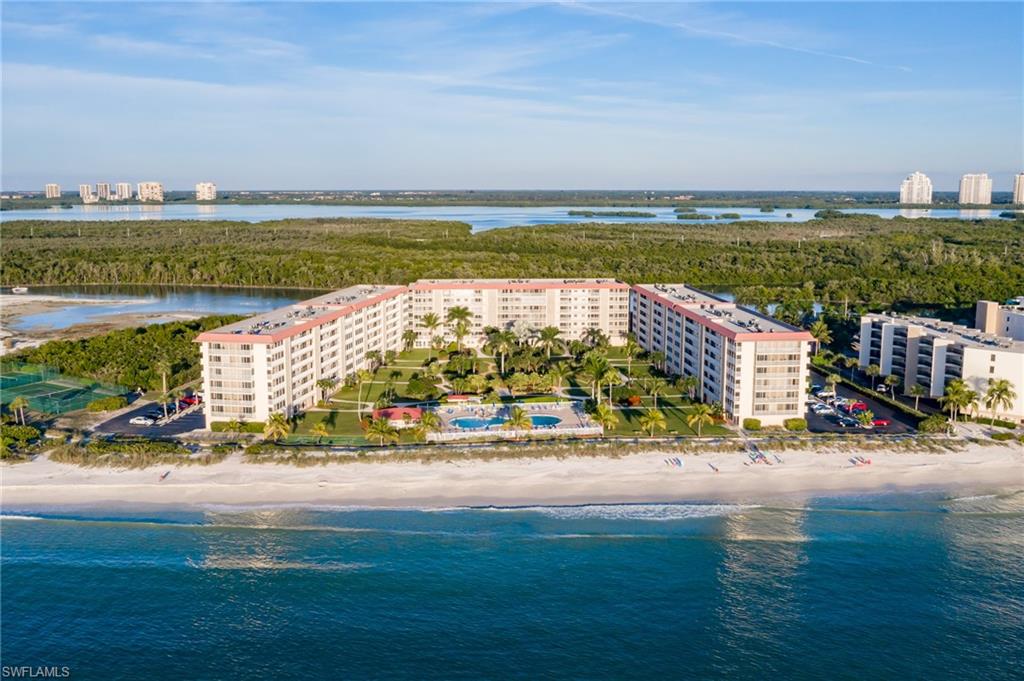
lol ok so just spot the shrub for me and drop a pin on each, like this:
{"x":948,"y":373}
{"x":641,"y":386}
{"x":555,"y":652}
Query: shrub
{"x":998,"y":423}
{"x":16,"y":435}
{"x":1002,"y":437}
{"x":795,"y":424}
{"x":936,"y":423}
{"x":112,"y":403}
{"x":751,"y":424}
{"x":634,"y":400}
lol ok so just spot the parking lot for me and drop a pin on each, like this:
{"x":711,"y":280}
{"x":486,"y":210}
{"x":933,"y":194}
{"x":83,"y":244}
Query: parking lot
{"x":900,"y":423}
{"x":120,"y":424}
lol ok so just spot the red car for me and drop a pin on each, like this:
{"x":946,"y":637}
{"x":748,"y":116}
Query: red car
{"x":881,"y":422}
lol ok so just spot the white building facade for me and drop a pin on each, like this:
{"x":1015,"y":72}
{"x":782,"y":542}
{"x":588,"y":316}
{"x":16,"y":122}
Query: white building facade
{"x":573,"y":306}
{"x":916,"y":189}
{"x":1018,"y":189}
{"x":930,"y":353}
{"x":976,"y":189}
{"x":52,"y":191}
{"x":1001,"y":320}
{"x":753,"y":365}
{"x":124,"y":191}
{"x":103,"y":191}
{"x":85,"y":193}
{"x":150,"y":191}
{"x":206,"y":191}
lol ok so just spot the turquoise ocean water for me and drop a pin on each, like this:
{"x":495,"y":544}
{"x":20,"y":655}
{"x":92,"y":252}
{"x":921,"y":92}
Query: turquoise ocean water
{"x":890,"y":586}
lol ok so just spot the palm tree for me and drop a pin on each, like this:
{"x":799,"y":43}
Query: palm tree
{"x":164,"y":368}
{"x":594,"y":367}
{"x":430,"y":322}
{"x":321,"y":431}
{"x":382,"y":430}
{"x":655,"y":387}
{"x":17,"y":406}
{"x":375,"y":359}
{"x":689,"y":383}
{"x":820,"y":331}
{"x":362,"y":376}
{"x":611,"y":377}
{"x":409,"y":337}
{"x":558,"y":372}
{"x":701,"y":415}
{"x":518,"y":420}
{"x":866,"y":418}
{"x":458,"y":313}
{"x":547,"y":338}
{"x":436,"y":344}
{"x":430,"y":422}
{"x":892,"y":380}
{"x":830,"y":381}
{"x":956,"y":397}
{"x":163,"y":402}
{"x":631,"y":349}
{"x":851,"y":364}
{"x":917,"y":392}
{"x":658,"y":359}
{"x":460,"y":331}
{"x":595,"y":338}
{"x":651,"y":420}
{"x":325,"y":385}
{"x":276,"y":428}
{"x":873,"y":371}
{"x":1000,"y":393}
{"x":604,"y":415}
{"x":501,"y":343}
{"x":234,"y":426}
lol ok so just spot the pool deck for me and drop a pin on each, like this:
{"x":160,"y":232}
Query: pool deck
{"x":573,"y":421}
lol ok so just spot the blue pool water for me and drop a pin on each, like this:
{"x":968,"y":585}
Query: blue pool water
{"x":910,"y":586}
{"x":476,"y":422}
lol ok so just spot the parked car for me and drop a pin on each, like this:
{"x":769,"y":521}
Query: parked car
{"x":190,"y":399}
{"x":141,"y":421}
{"x":881,"y":422}
{"x":848,"y":423}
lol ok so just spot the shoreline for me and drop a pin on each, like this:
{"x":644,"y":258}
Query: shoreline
{"x":634,"y":479}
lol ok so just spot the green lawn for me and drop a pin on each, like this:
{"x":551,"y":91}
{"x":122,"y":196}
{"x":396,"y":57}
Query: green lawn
{"x":675,"y":418}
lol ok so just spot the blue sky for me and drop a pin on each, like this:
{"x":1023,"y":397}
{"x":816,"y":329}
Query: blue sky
{"x":808,"y":95}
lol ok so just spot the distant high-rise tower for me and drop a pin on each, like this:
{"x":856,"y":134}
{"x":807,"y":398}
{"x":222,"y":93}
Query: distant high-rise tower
{"x":53,"y":191}
{"x":151,"y":191}
{"x":206,"y":191}
{"x":916,"y":189}
{"x":124,"y":191}
{"x":85,"y":193}
{"x":976,"y":189}
{"x":103,"y":190}
{"x":1018,"y":189}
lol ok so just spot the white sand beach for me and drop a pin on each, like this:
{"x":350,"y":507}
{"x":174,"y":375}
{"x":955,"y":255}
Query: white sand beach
{"x":635,"y":478}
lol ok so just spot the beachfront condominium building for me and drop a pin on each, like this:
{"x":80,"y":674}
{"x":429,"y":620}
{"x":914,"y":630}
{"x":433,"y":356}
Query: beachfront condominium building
{"x":976,"y":189}
{"x":206,"y":191}
{"x":124,"y":191}
{"x":52,"y":191}
{"x":150,"y":191}
{"x":103,"y":190}
{"x":930,"y":353}
{"x":573,"y":306}
{"x":1001,"y":320}
{"x":271,"y":363}
{"x":85,"y":193}
{"x":1018,"y":189}
{"x":751,"y":364}
{"x":916,"y":189}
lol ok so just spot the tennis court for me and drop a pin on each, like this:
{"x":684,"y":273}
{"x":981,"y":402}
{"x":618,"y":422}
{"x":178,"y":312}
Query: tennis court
{"x":49,"y":391}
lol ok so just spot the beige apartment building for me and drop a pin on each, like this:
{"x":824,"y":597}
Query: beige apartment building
{"x":85,"y":193}
{"x":754,"y":366}
{"x":931,"y":352}
{"x":124,"y":191}
{"x":271,"y":363}
{"x":1018,"y":189}
{"x":52,"y":191}
{"x":574,"y":306}
{"x":103,"y":190}
{"x":1005,"y":319}
{"x":206,"y":191}
{"x":976,"y":189}
{"x":150,"y":191}
{"x":751,"y":364}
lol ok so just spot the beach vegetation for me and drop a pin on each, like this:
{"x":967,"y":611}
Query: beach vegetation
{"x":751,"y":424}
{"x":795,"y":424}
{"x":110,"y":403}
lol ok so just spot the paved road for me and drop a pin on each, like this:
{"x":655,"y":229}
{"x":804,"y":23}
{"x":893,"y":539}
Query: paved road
{"x":901,"y":423}
{"x":120,"y":425}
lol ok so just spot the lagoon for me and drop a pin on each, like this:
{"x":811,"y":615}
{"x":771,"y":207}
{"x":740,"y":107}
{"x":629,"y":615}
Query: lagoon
{"x":481,"y":218}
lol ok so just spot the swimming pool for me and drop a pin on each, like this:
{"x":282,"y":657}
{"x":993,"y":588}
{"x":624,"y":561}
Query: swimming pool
{"x":477,"y":422}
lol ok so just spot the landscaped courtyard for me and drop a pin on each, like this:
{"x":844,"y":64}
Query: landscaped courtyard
{"x":544,"y":386}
